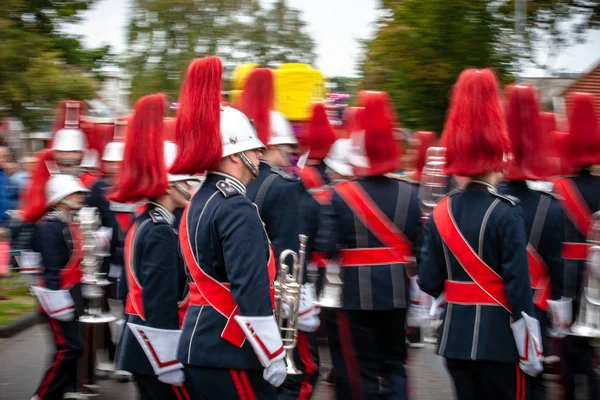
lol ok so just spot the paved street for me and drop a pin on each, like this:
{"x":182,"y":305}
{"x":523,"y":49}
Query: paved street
{"x":25,"y":356}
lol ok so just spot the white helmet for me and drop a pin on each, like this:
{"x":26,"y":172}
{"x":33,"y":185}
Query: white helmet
{"x":61,"y":186}
{"x":113,"y":151}
{"x":170,"y":151}
{"x":90,"y":159}
{"x":357,"y":155}
{"x":337,"y":159}
{"x":69,"y":139}
{"x":281,"y":130}
{"x":237,"y":133}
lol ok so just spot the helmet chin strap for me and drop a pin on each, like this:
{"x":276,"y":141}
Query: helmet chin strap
{"x":248,"y":163}
{"x":181,"y":190}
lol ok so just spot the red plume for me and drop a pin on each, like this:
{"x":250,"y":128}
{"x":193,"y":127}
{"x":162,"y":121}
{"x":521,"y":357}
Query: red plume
{"x":380,"y":145}
{"x":560,"y":143}
{"x":548,"y":123}
{"x":198,"y":135}
{"x":475,"y":132}
{"x":320,"y":135}
{"x":584,"y":135}
{"x":528,"y":142}
{"x":257,"y":100}
{"x":33,"y":199}
{"x":143,"y":174}
{"x":426,"y":140}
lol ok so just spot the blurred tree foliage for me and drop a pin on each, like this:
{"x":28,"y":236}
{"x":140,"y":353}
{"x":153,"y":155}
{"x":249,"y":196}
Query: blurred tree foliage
{"x":165,"y":35}
{"x":422,"y":46}
{"x":39,"y":64}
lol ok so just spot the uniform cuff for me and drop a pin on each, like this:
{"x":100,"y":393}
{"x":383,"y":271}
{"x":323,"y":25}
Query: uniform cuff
{"x":57,"y":304}
{"x":263,"y":335}
{"x":160,"y":346}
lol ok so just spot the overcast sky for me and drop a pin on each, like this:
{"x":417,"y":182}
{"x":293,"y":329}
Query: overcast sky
{"x":335,"y":25}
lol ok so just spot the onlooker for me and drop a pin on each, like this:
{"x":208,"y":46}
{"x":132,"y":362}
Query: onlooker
{"x":22,"y":175}
{"x":4,"y":186}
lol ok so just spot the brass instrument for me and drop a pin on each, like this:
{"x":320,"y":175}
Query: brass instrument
{"x":431,"y":189}
{"x":587,"y":323}
{"x":93,"y":280}
{"x":433,"y":180}
{"x":331,"y":292}
{"x":288,"y":290}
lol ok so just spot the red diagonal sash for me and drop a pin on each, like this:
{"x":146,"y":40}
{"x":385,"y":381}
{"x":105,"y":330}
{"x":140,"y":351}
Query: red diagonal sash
{"x":490,"y":284}
{"x":540,"y":279}
{"x":134,"y":304}
{"x":70,"y":275}
{"x":376,"y":221}
{"x":578,"y":211}
{"x":215,"y":293}
{"x":312,"y":180}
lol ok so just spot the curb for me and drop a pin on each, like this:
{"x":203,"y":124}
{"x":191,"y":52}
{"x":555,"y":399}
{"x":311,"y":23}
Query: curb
{"x":20,"y":324}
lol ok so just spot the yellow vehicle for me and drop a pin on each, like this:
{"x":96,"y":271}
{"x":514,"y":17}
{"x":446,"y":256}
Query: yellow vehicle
{"x":296,"y":86}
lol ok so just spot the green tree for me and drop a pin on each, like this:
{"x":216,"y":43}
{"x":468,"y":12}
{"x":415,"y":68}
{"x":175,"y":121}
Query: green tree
{"x":165,"y":35}
{"x":39,"y":64}
{"x":422,"y":46}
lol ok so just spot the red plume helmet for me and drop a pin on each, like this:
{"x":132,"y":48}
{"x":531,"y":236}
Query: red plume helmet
{"x":257,"y":101}
{"x":143,"y":174}
{"x":584,"y":135}
{"x":33,"y":199}
{"x":426,"y":140}
{"x":60,"y":117}
{"x":560,"y":143}
{"x":320,"y":135}
{"x":475,"y":132}
{"x":524,"y":127}
{"x":548,"y":123}
{"x":198,"y":132}
{"x":378,"y":120}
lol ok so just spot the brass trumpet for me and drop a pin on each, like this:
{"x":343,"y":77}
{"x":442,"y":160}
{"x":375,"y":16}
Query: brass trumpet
{"x":288,"y":290}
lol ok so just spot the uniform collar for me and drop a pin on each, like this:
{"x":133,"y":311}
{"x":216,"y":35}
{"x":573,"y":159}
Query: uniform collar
{"x":168,"y":215}
{"x":477,"y":183}
{"x":233,"y":181}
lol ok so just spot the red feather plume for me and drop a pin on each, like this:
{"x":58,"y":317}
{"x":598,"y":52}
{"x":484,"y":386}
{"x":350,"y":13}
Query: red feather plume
{"x":475,"y":132}
{"x":584,"y":135}
{"x":524,"y":126}
{"x":320,"y":135}
{"x":143,"y":173}
{"x":33,"y":198}
{"x":380,"y":146}
{"x":257,"y":100}
{"x":198,"y":134}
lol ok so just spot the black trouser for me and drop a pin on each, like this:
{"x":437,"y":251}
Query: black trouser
{"x":306,"y":358}
{"x":62,"y":373}
{"x":579,"y":359}
{"x":227,"y":384}
{"x":477,"y":380}
{"x":151,"y":388}
{"x":372,"y":355}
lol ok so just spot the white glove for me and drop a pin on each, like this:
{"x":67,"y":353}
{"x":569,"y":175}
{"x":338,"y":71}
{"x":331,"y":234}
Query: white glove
{"x":529,"y":344}
{"x":103,"y":237}
{"x":308,"y":320}
{"x":275,"y":373}
{"x":175,"y":378}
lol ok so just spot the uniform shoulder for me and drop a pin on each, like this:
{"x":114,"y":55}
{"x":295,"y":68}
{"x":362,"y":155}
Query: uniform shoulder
{"x":508,"y":199}
{"x":228,"y":189}
{"x":284,"y":175}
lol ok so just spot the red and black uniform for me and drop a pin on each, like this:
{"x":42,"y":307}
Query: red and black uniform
{"x":58,"y":241}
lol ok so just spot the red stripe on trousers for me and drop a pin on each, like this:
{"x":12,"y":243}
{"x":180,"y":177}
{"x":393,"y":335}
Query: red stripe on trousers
{"x":310,"y":368}
{"x":247,"y":385}
{"x":352,"y":367}
{"x":60,"y":354}
{"x":237,"y":382}
{"x":181,"y":392}
{"x":176,"y":392}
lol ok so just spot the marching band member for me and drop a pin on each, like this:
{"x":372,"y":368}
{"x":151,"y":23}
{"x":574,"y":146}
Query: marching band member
{"x":230,"y":345}
{"x":275,"y":195}
{"x":58,"y":241}
{"x":154,"y":268}
{"x":580,"y":197}
{"x":475,"y":252}
{"x":542,"y":214}
{"x":68,"y":143}
{"x":377,"y":226}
